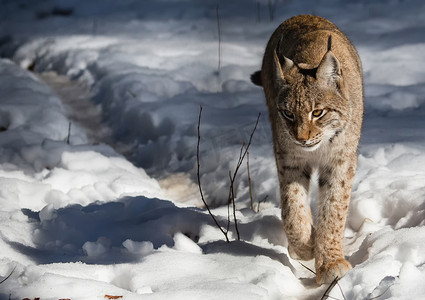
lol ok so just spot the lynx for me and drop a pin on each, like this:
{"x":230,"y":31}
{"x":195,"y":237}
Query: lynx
{"x":312,"y":80}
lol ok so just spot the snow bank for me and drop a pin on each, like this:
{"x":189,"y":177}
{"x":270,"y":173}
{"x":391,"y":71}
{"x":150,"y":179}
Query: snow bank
{"x":74,"y":208}
{"x":82,"y":219}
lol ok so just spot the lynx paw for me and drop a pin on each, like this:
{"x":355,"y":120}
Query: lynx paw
{"x":328,"y":272}
{"x":303,"y":253}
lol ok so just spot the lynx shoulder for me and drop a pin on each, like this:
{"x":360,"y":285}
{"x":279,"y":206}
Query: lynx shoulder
{"x":312,"y":80}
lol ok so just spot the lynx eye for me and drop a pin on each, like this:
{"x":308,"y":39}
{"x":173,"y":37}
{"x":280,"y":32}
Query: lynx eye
{"x":287,"y":114}
{"x":317,"y":113}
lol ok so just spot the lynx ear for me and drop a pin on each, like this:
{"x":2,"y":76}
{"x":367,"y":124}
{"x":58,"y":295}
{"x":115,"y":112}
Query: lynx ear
{"x":282,"y":68}
{"x":329,"y":71}
{"x":256,"y":78}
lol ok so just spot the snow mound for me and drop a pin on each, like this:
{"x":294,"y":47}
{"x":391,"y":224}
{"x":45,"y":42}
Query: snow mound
{"x":81,"y":221}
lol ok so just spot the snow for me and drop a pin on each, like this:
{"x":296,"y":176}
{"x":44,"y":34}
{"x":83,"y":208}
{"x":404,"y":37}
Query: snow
{"x":109,"y":205}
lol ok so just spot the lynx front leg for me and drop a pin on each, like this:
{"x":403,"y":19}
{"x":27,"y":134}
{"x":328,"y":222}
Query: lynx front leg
{"x":296,"y":215}
{"x":334,"y":197}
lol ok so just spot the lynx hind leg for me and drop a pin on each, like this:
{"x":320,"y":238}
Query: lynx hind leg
{"x":297,"y":221}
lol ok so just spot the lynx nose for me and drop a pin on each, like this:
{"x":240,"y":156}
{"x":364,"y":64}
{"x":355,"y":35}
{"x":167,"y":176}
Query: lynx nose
{"x":302,"y":136}
{"x":302,"y":140}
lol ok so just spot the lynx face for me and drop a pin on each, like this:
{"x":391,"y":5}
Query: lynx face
{"x":311,"y":102}
{"x":311,"y":114}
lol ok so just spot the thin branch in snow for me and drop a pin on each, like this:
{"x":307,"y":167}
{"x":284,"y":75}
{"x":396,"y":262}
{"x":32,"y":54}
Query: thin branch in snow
{"x":8,"y":276}
{"x":342,"y":293}
{"x":249,"y":181}
{"x":262,"y":201}
{"x":199,"y":177}
{"x":131,"y":94}
{"x":228,"y":211}
{"x":219,"y":39}
{"x":242,"y":155}
{"x":307,"y":268}
{"x":232,"y":200}
{"x":69,"y":133}
{"x":330,"y":287}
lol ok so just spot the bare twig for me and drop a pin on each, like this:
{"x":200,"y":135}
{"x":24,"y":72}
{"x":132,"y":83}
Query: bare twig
{"x":330,"y":287}
{"x":342,"y":293}
{"x":131,"y":94}
{"x":219,"y":39}
{"x":335,"y":282}
{"x":249,"y":181}
{"x":232,"y":195}
{"x":199,"y":177}
{"x":262,"y":201}
{"x":69,"y":133}
{"x":307,"y":268}
{"x":232,"y":199}
{"x":8,"y":276}
{"x":228,"y":215}
{"x":242,"y":155}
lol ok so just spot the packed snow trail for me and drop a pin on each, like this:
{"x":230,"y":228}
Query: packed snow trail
{"x":77,"y":208}
{"x":81,"y":111}
{"x":76,"y":98}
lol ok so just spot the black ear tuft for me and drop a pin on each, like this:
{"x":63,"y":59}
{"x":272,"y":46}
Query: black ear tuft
{"x":329,"y":43}
{"x":256,"y":78}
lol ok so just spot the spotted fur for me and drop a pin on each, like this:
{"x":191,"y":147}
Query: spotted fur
{"x":310,"y":67}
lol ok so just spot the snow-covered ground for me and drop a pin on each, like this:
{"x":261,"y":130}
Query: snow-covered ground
{"x":108,"y":206}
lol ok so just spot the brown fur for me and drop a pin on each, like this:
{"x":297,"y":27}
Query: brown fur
{"x":310,"y":66}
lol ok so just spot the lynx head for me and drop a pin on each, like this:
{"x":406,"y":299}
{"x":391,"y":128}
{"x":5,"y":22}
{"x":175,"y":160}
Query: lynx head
{"x":311,"y":104}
